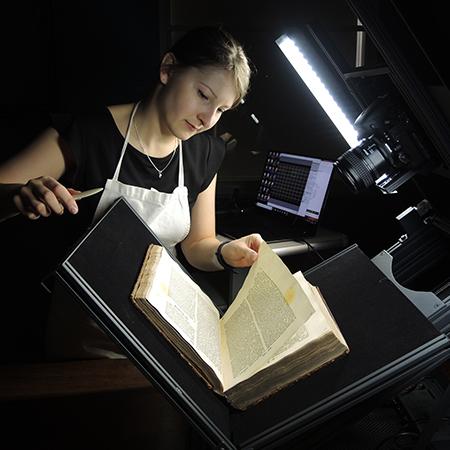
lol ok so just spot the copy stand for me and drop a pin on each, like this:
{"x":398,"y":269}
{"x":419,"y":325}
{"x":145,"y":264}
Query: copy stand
{"x":391,"y":342}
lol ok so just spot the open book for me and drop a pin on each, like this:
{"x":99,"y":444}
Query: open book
{"x":277,"y":330}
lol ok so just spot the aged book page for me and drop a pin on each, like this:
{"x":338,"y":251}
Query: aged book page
{"x":188,"y":309}
{"x":277,"y":330}
{"x":318,"y":324}
{"x":268,"y":310}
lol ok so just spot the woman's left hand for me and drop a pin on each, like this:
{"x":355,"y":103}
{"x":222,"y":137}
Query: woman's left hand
{"x":242,"y":252}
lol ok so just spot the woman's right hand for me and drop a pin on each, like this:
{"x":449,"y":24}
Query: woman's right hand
{"x":43,"y":196}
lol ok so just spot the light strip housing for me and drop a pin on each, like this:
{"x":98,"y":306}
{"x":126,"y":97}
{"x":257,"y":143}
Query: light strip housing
{"x":299,"y":62}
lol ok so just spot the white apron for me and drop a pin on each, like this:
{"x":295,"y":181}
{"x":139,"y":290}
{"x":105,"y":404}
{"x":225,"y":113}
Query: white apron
{"x":71,"y":333}
{"x":166,"y":214}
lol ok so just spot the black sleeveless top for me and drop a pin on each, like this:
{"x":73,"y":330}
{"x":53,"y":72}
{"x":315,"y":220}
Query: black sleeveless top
{"x":94,"y":143}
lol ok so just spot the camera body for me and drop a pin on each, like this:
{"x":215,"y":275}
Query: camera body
{"x":391,"y":150}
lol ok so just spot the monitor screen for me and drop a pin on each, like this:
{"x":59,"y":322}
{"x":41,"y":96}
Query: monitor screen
{"x":294,"y":184}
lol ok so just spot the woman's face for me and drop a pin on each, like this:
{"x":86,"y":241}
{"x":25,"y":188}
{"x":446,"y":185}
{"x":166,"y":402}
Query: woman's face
{"x":192,"y":100}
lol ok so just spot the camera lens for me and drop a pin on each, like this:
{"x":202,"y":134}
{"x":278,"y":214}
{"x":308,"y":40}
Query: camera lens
{"x":363,"y":165}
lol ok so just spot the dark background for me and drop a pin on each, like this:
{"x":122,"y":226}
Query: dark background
{"x":73,"y":55}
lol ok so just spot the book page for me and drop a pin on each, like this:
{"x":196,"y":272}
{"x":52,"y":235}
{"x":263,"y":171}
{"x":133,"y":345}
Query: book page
{"x":268,"y":310}
{"x":319,"y":323}
{"x":188,"y":309}
{"x":320,"y":305}
{"x":314,"y":327}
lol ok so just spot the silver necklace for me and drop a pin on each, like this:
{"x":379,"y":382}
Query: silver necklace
{"x":160,"y":171}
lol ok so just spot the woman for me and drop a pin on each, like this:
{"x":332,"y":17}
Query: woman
{"x":151,"y":152}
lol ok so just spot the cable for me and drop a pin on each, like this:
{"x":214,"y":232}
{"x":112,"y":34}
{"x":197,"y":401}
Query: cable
{"x":312,"y":248}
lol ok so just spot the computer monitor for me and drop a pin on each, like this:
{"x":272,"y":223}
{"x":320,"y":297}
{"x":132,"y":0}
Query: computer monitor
{"x":294,"y":185}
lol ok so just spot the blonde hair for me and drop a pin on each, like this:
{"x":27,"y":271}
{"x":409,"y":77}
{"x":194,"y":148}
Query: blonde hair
{"x":213,"y":46}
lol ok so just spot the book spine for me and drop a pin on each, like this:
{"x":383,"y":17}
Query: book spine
{"x":147,"y":273}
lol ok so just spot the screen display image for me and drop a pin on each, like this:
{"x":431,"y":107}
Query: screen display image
{"x":294,"y":184}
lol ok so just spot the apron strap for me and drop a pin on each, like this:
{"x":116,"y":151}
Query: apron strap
{"x":124,"y":147}
{"x":180,"y":164}
{"x":125,"y":143}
